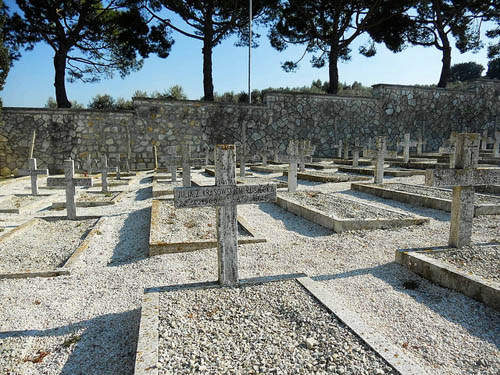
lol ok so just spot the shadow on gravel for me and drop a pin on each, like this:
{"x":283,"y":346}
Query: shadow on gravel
{"x":422,"y":211}
{"x":102,"y":345}
{"x":144,"y":193}
{"x":478,"y":319}
{"x":133,"y":244}
{"x":293,"y":222}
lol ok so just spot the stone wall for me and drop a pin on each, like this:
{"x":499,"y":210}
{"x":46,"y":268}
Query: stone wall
{"x":324,"y":119}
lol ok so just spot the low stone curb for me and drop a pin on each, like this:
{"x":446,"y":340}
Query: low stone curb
{"x":13,"y":179}
{"x":387,"y":172}
{"x":450,"y":277}
{"x":269,"y":169}
{"x":325,"y":179}
{"x":361,"y":161}
{"x":59,"y":205}
{"x":29,"y":208}
{"x":211,"y":172}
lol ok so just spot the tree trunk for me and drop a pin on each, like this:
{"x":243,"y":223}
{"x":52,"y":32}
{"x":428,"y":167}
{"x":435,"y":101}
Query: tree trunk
{"x":208,"y":86}
{"x":333,"y":70}
{"x":59,"y":83}
{"x":445,"y":70}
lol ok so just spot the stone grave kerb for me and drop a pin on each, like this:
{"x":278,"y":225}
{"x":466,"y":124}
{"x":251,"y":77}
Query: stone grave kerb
{"x":70,"y":182}
{"x":406,"y":144}
{"x":33,"y":172}
{"x":463,"y":178}
{"x":381,"y":148}
{"x":225,"y":196}
{"x":104,"y":170}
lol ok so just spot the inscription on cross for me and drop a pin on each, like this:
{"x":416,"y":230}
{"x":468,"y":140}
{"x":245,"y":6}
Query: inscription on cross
{"x":381,"y":151}
{"x":406,"y":144}
{"x":34,"y":173}
{"x":463,"y":178}
{"x":225,"y":195}
{"x":104,"y":173}
{"x":70,"y":182}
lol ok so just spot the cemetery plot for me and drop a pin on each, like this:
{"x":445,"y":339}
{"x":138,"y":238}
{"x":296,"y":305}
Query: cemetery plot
{"x":269,"y":168}
{"x":327,"y":177}
{"x":92,"y":199}
{"x":320,"y":165}
{"x":164,"y":187}
{"x":418,"y":164}
{"x":423,"y":196}
{"x":473,"y":270}
{"x":180,"y":230}
{"x":387,"y":172}
{"x":22,"y":203}
{"x":349,"y":162}
{"x":341,"y":214}
{"x":261,"y":180}
{"x":253,"y":329}
{"x":211,"y":172}
{"x":59,"y":181}
{"x":44,"y":247}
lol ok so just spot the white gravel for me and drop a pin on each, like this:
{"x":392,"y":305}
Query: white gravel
{"x":87,"y":323}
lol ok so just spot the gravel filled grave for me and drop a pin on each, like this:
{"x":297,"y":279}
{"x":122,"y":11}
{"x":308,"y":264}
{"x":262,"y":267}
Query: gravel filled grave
{"x":437,"y":193}
{"x":19,"y":201}
{"x":97,"y":196}
{"x":273,"y":328}
{"x":261,"y":180}
{"x":328,"y":176}
{"x":187,"y":224}
{"x":340,"y":208}
{"x":483,"y":261}
{"x":45,"y":245}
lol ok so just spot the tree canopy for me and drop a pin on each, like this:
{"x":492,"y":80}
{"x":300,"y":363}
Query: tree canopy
{"x":493,"y":69}
{"x":4,"y":54}
{"x":465,"y":71}
{"x":90,"y":38}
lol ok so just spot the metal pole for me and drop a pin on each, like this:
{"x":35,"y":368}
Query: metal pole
{"x":250,"y":55}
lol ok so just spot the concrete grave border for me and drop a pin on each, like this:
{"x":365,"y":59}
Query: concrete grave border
{"x":159,"y":248}
{"x":268,"y":169}
{"x":341,"y":225}
{"x":61,"y":205}
{"x":146,"y":360}
{"x":211,"y":172}
{"x":167,"y":189}
{"x":29,"y":208}
{"x":421,"y":200}
{"x":324,"y":179}
{"x":449,"y":276}
{"x":65,"y":268}
{"x":361,"y":161}
{"x":387,"y":172}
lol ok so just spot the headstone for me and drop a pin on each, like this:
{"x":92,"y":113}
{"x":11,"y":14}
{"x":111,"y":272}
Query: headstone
{"x":381,"y":148}
{"x":225,"y":195}
{"x":463,"y":178}
{"x":104,"y":173}
{"x":292,"y":158}
{"x":420,"y":144}
{"x":70,"y":183}
{"x":355,"y":153}
{"x":34,"y":173}
{"x":406,"y":144}
{"x":496,"y":145}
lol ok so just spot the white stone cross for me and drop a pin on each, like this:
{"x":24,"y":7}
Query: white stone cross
{"x":187,"y":162}
{"x":263,"y":153}
{"x":450,"y":149}
{"x":355,"y":152}
{"x":420,"y":143}
{"x":305,"y":151}
{"x":225,"y":195}
{"x":381,"y":146}
{"x":485,"y":140}
{"x":339,"y":149}
{"x":496,"y":145}
{"x":206,"y":147}
{"x":34,"y":173}
{"x":346,"y":149}
{"x":88,"y":164}
{"x":406,"y":147}
{"x":104,"y":173}
{"x":70,"y":183}
{"x":172,"y":161}
{"x":292,"y":158}
{"x":463,"y":178}
{"x":367,"y":149}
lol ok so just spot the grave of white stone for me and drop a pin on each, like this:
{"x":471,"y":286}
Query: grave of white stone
{"x":463,"y":178}
{"x":406,"y":144}
{"x":70,"y":183}
{"x":172,"y":161}
{"x":485,"y":140}
{"x":263,"y":153}
{"x":88,"y":165}
{"x":381,"y":148}
{"x":225,"y":195}
{"x":34,"y":173}
{"x":104,"y":173}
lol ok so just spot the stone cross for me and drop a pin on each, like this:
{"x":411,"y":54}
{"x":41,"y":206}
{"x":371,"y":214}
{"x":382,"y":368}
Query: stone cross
{"x":346,"y":149}
{"x":355,"y":152}
{"x":263,"y":153}
{"x":381,"y":147}
{"x":206,"y":147}
{"x":225,"y":196}
{"x":88,"y":164}
{"x":34,"y":173}
{"x":292,"y":158}
{"x":420,"y":143}
{"x":496,"y":145}
{"x":104,"y":173}
{"x":450,"y":149}
{"x":367,"y":149}
{"x":155,"y":157}
{"x":118,"y":166}
{"x":172,"y":161}
{"x":485,"y":140}
{"x":187,"y":162}
{"x":244,"y":151}
{"x":70,"y":183}
{"x":406,"y":147}
{"x":305,"y":151}
{"x":339,"y":149}
{"x":463,"y":178}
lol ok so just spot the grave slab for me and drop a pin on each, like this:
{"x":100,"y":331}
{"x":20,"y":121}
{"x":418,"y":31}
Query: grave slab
{"x":45,"y":247}
{"x":340,"y":214}
{"x":434,"y":264}
{"x":424,"y":196}
{"x":93,"y":199}
{"x":327,"y":177}
{"x":189,"y":229}
{"x":163,"y":322}
{"x":23,"y":203}
{"x":387,"y":171}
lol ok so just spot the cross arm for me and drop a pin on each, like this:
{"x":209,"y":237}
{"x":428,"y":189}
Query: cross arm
{"x":31,"y":172}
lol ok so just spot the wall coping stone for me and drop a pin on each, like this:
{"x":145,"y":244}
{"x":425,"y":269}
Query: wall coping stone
{"x":137,"y":101}
{"x":69,"y":111}
{"x":319,"y":96}
{"x":467,"y":90}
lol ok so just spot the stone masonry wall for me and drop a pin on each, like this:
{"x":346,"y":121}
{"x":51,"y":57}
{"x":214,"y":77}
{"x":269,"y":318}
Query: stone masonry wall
{"x":324,"y":119}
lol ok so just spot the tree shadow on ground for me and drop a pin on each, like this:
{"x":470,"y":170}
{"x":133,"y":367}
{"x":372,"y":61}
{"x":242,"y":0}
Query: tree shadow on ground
{"x":103,"y":345}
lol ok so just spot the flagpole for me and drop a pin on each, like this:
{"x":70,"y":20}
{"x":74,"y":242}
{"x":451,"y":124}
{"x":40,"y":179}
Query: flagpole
{"x":250,"y":55}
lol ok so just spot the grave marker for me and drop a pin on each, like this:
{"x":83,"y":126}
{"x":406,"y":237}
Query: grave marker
{"x":292,"y":158}
{"x":496,"y":145}
{"x":264,"y":152}
{"x":485,"y":140}
{"x":420,"y":143}
{"x":225,"y":195}
{"x":367,"y":149}
{"x":463,"y":178}
{"x":172,"y":161}
{"x":88,"y":165}
{"x":187,"y":162}
{"x":104,"y":173}
{"x":305,"y":151}
{"x":70,"y":183}
{"x":355,"y":153}
{"x":346,"y":149}
{"x":34,"y":173}
{"x":381,"y":148}
{"x":155,"y":157}
{"x":406,"y":147}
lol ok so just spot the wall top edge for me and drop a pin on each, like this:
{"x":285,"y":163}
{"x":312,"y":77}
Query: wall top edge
{"x":322,"y":96}
{"x":471,"y":85}
{"x":65,"y":110}
{"x":137,"y":100}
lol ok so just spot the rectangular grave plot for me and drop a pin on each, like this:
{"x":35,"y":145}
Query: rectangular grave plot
{"x":471,"y":270}
{"x":164,"y":187}
{"x":327,"y":177}
{"x":341,"y":214}
{"x":188,"y":229}
{"x":388,"y":172}
{"x":269,"y":168}
{"x":23,"y":203}
{"x":92,"y":199}
{"x":246,"y":327}
{"x":429,"y":197}
{"x":211,"y":172}
{"x":261,"y":180}
{"x":42,"y":246}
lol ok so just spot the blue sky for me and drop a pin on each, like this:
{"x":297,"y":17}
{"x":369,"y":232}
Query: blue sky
{"x":30,"y":81}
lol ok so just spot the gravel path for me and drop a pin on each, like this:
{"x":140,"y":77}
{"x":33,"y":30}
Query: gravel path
{"x":275,"y":328}
{"x":87,"y":323}
{"x":482,"y":261}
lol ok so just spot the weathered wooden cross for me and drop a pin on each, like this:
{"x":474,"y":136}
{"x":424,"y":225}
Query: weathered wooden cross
{"x":34,"y":173}
{"x":104,"y":173}
{"x":70,"y":183}
{"x":292,"y":158}
{"x":463,"y":178}
{"x":225,"y":195}
{"x":406,"y":147}
{"x":381,"y":151}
